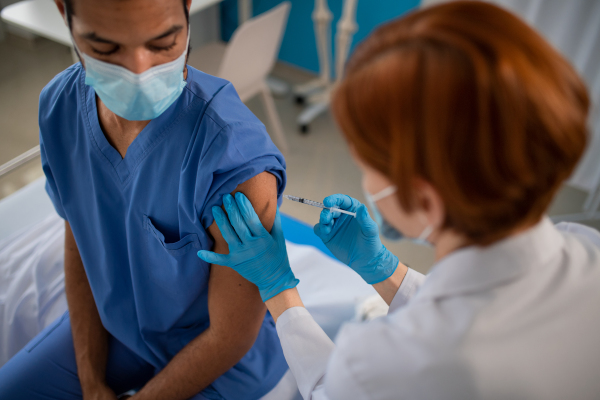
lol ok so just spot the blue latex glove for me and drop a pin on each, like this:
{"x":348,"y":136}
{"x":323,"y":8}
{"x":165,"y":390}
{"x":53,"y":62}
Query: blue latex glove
{"x":355,"y":241}
{"x":257,"y":255}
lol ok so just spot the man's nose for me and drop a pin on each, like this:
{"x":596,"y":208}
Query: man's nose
{"x":139,"y":60}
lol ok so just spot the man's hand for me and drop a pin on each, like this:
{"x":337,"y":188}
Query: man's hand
{"x":102,"y":392}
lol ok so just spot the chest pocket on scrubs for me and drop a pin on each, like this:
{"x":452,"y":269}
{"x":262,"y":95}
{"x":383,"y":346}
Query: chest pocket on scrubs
{"x":176,"y":274}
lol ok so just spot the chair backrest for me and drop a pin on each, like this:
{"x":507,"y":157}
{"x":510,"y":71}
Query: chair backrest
{"x":253,"y":48}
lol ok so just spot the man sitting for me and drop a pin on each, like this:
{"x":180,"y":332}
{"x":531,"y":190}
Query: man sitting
{"x":137,"y":148}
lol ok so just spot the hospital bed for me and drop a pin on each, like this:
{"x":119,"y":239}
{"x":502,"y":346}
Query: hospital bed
{"x":32,"y":278}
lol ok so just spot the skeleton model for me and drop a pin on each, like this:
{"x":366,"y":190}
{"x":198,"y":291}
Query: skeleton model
{"x":317,"y":93}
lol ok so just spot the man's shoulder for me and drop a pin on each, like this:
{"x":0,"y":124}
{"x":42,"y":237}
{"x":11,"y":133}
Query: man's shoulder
{"x":203,"y":85}
{"x":63,"y":83}
{"x":60,"y":92}
{"x":224,"y":106}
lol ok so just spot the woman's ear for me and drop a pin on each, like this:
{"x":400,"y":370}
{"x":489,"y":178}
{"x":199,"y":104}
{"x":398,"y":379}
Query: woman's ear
{"x":429,"y":203}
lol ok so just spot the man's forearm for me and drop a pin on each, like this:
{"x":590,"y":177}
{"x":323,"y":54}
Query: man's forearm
{"x":90,"y":339}
{"x":196,"y":366}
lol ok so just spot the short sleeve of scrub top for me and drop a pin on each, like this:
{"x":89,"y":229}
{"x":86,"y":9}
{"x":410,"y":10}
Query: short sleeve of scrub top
{"x":236,"y":141}
{"x":51,"y":188}
{"x":50,"y":97}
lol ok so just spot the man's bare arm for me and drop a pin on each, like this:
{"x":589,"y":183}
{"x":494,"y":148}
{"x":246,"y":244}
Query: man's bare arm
{"x":236,"y":314}
{"x":90,"y":339}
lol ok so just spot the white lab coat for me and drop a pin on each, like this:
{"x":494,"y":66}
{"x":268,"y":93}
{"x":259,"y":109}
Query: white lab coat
{"x":516,"y":320}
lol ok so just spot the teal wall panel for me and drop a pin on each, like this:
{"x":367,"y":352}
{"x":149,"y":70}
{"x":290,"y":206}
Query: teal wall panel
{"x":298,"y":46}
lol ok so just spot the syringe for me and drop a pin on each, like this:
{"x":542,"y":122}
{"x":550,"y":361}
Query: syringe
{"x":317,"y":204}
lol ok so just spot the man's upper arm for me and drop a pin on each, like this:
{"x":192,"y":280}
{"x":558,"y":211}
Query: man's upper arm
{"x":234,"y":302}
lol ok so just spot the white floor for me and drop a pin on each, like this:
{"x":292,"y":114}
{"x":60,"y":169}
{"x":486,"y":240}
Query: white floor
{"x":318,"y":164}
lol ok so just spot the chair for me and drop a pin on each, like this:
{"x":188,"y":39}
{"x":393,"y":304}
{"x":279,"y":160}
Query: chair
{"x":247,"y":60}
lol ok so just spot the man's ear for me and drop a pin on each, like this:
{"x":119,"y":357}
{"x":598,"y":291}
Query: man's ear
{"x":188,"y":3}
{"x":60,"y":4}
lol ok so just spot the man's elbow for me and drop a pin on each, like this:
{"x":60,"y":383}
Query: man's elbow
{"x":237,"y":341}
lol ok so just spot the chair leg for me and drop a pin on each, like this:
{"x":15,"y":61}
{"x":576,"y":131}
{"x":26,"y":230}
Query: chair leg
{"x":274,"y":121}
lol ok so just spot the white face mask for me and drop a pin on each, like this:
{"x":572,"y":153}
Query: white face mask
{"x":385,"y":228}
{"x":136,"y":97}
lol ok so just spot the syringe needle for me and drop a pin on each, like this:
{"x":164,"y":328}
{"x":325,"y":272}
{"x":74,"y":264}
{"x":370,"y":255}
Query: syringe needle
{"x":317,"y":204}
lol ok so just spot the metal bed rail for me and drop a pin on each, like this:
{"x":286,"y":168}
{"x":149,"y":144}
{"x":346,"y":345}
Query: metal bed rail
{"x":19,"y":160}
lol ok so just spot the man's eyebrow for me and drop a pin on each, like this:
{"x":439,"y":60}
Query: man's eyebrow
{"x":170,"y":31}
{"x":95,"y":38}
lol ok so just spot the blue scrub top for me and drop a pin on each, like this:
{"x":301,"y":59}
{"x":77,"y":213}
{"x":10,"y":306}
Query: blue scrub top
{"x":138,"y":221}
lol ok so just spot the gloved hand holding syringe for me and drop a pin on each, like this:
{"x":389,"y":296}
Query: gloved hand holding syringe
{"x":317,"y":204}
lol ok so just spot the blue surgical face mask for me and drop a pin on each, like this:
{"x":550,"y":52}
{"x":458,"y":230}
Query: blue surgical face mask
{"x":136,"y":97}
{"x":385,"y":228}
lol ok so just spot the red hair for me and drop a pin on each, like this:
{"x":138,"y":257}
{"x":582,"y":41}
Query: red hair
{"x":467,"y":97}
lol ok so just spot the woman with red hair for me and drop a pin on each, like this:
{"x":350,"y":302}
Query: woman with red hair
{"x":465,"y":123}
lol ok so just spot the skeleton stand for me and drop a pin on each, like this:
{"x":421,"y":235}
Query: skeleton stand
{"x":317,"y":93}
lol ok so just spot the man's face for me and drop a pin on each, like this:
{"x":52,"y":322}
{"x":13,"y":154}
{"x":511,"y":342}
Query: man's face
{"x":135,"y":34}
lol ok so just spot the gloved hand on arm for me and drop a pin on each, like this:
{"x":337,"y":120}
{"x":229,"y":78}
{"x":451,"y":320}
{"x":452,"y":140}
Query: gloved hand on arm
{"x":355,"y":241}
{"x":257,"y":255}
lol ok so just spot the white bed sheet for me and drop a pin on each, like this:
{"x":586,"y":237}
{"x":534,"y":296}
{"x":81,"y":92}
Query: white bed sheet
{"x":32,"y":284}
{"x":25,"y":208}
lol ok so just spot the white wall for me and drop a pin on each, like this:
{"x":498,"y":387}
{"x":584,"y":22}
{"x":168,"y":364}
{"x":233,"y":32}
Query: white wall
{"x":205,"y":25}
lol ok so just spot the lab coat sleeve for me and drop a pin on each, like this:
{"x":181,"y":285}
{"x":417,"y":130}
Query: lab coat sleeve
{"x":410,"y":284}
{"x":307,"y":350}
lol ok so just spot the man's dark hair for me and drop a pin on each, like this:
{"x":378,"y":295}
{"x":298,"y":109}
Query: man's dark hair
{"x":69,"y":11}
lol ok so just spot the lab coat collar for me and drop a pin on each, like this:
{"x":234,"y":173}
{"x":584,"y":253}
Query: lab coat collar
{"x":475,"y":268}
